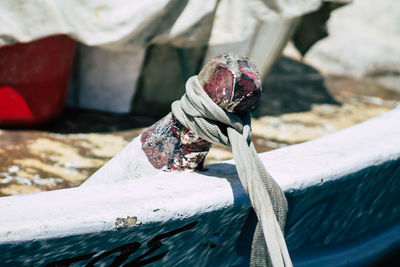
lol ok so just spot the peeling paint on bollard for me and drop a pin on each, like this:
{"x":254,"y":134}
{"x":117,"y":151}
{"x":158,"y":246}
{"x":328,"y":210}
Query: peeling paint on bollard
{"x":233,"y":83}
{"x":171,"y":146}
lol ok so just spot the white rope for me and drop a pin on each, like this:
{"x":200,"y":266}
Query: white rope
{"x":201,"y":115}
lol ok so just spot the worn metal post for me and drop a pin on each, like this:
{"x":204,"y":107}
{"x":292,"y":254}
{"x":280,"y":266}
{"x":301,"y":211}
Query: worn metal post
{"x":231,"y":81}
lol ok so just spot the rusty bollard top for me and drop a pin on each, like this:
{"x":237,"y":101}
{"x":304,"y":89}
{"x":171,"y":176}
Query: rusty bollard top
{"x":233,"y":83}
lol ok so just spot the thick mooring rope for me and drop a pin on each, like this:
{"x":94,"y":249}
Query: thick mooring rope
{"x":201,"y":115}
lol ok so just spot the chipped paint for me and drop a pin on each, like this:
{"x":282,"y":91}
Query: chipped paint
{"x":232,"y":82}
{"x":124,"y":223}
{"x":170,"y":146}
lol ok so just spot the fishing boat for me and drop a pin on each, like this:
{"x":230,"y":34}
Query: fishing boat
{"x":342,"y":189}
{"x":343,"y":199}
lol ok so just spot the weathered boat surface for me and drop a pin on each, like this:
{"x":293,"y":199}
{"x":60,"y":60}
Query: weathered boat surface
{"x":343,"y":199}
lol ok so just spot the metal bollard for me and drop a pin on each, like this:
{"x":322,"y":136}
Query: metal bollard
{"x":231,"y":81}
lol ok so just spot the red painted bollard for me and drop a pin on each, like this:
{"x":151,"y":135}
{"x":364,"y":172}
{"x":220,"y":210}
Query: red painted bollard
{"x":231,"y":81}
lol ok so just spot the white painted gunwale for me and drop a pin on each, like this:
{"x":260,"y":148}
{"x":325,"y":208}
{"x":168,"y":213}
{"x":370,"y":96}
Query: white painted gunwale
{"x":180,"y":195}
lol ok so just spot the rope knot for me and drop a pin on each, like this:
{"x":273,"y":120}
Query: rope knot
{"x":197,"y":112}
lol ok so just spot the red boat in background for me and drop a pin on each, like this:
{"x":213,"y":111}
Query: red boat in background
{"x":34,"y":80}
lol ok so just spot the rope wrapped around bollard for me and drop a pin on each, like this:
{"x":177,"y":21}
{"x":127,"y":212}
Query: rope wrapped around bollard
{"x":206,"y":119}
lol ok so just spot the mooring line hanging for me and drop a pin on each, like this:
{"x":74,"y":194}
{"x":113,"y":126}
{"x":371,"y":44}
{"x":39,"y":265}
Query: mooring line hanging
{"x":200,"y":114}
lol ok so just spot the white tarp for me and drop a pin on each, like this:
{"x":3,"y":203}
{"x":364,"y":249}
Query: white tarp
{"x":127,"y":24}
{"x":255,"y":28}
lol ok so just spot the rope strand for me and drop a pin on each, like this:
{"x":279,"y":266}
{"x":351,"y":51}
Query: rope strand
{"x":201,"y":115}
